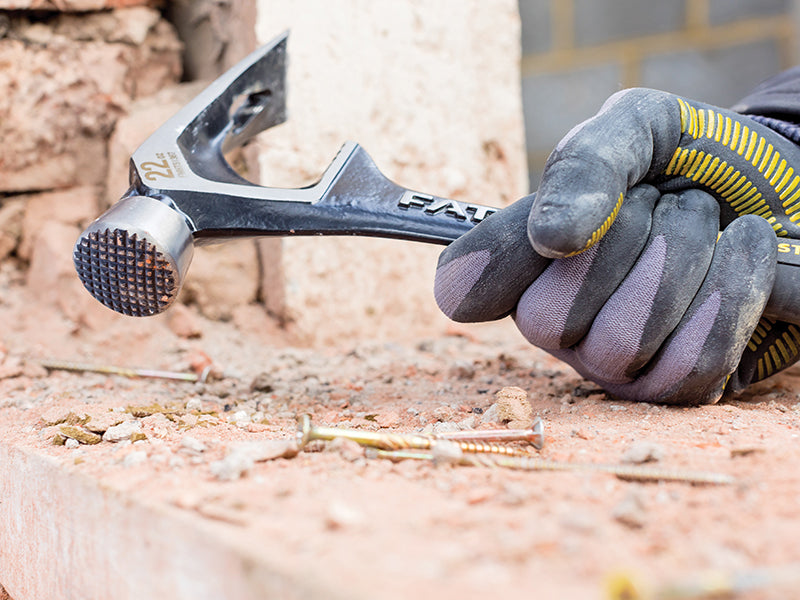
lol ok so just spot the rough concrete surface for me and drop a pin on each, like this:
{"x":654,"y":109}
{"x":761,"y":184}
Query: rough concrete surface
{"x":195,"y":508}
{"x":431,"y":91}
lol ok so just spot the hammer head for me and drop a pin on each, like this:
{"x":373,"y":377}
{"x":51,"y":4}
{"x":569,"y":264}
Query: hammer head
{"x":134,"y":257}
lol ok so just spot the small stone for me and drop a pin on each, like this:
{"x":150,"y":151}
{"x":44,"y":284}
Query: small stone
{"x":72,"y":443}
{"x":123,"y":431}
{"x":445,"y":427}
{"x":80,"y":434}
{"x":389,"y":419}
{"x":232,"y":467}
{"x":512,"y":405}
{"x":183,"y":322}
{"x":348,"y":449}
{"x":463,"y":370}
{"x":240,"y":418}
{"x":58,"y":415}
{"x":491,"y":415}
{"x":631,"y":511}
{"x":100,"y":422}
{"x":242,"y":456}
{"x":194,"y":404}
{"x":192,"y":445}
{"x":262,"y":383}
{"x":55,"y":416}
{"x":643,"y":452}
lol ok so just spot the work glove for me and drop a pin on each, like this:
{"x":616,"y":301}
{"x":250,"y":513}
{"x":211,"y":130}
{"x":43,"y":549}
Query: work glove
{"x":615,"y":265}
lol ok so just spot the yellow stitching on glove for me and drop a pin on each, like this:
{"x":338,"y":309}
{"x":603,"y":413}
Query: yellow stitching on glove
{"x":715,"y":174}
{"x":601,"y":231}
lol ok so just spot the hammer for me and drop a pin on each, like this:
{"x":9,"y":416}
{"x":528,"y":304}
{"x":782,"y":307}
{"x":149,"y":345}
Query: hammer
{"x":134,"y":258}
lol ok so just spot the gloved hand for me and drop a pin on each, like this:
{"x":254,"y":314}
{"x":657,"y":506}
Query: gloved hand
{"x":614,"y":266}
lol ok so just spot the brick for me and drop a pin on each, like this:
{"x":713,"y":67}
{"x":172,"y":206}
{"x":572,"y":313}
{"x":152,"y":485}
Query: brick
{"x":535,"y":18}
{"x":74,"y":206}
{"x":556,"y":102}
{"x":600,"y":21}
{"x":74,"y":74}
{"x":74,"y":5}
{"x":721,"y":76}
{"x":725,"y":11}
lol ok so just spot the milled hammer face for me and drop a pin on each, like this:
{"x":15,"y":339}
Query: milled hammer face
{"x":134,"y":258}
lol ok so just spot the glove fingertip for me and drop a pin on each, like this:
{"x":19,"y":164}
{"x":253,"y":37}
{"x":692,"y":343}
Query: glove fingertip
{"x":455,"y":279}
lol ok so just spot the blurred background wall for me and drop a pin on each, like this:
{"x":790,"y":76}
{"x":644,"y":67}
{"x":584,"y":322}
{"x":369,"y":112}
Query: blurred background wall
{"x":435,"y":91}
{"x":576,"y":53}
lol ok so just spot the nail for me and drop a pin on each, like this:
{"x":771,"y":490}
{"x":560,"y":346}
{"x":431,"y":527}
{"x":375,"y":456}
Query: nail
{"x":63,"y":365}
{"x":533,"y":463}
{"x":306,"y":432}
{"x":534,"y":435}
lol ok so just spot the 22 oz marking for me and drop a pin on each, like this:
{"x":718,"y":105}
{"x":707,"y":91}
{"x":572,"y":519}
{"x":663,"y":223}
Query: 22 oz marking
{"x":153,"y":170}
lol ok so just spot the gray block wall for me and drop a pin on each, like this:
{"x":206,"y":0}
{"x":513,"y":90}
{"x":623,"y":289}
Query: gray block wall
{"x":578,"y":52}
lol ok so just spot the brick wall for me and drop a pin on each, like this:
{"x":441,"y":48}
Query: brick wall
{"x":578,"y":52}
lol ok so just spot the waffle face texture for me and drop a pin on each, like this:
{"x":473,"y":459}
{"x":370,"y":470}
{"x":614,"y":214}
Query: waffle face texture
{"x":127,"y":274}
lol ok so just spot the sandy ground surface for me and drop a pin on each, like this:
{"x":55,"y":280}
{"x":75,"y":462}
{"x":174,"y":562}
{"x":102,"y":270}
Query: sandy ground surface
{"x":367,"y":527}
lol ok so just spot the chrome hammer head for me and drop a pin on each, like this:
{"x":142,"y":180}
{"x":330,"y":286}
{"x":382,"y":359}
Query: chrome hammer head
{"x":134,"y":258}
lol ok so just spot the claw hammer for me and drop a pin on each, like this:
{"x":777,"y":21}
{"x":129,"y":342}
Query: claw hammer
{"x":134,"y":258}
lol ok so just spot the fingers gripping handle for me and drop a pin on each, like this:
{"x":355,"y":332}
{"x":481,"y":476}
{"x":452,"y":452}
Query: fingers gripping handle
{"x":674,"y":144}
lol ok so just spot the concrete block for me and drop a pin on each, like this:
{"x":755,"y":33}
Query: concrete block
{"x":720,"y":76}
{"x":601,"y":21}
{"x":74,"y":73}
{"x":725,"y":11}
{"x":555,"y":102}
{"x":431,"y":90}
{"x":536,"y":26}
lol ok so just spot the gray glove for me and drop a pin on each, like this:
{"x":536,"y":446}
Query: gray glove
{"x":614,"y":266}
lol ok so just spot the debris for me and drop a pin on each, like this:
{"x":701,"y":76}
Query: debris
{"x":631,"y":511}
{"x":184,"y":323}
{"x":72,"y":443}
{"x":101,"y":422}
{"x":745,"y":451}
{"x":80,"y":434}
{"x":513,"y":406}
{"x":194,"y":404}
{"x":58,"y":415}
{"x":242,"y":456}
{"x":642,"y":452}
{"x":192,"y":445}
{"x":124,"y":431}
{"x":263,"y":382}
{"x":347,"y":449}
{"x":240,"y":418}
